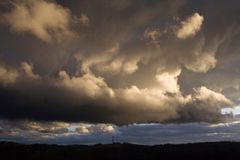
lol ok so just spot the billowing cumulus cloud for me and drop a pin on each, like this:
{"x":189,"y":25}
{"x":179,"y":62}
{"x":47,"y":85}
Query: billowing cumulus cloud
{"x":202,"y":59}
{"x":88,"y":85}
{"x":205,"y":100}
{"x":204,"y":93}
{"x":130,"y":64}
{"x":190,"y":27}
{"x":111,"y":61}
{"x":8,"y":76}
{"x":46,"y":20}
{"x":98,"y":59}
{"x":89,"y":98}
{"x":203,"y":63}
{"x":168,"y":81}
{"x":28,"y":69}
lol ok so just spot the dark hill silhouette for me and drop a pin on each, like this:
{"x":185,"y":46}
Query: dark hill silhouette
{"x":201,"y":151}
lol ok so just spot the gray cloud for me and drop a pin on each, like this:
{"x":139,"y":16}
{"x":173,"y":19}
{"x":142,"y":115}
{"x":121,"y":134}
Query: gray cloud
{"x":46,"y":20}
{"x":79,"y":98}
{"x":190,"y":27}
{"x":7,"y":76}
{"x":128,"y":64}
{"x":28,"y":69}
{"x":85,"y":133}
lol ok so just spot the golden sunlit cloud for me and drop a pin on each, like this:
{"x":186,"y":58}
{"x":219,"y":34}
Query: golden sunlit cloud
{"x":127,"y":65}
{"x":190,"y":27}
{"x":46,"y":20}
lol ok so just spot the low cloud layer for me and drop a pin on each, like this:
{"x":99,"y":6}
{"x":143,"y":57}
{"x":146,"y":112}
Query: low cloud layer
{"x":86,"y":133}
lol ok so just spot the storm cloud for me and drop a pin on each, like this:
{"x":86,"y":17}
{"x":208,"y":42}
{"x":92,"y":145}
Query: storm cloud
{"x":46,"y":20}
{"x":117,"y":62}
{"x":90,"y":99}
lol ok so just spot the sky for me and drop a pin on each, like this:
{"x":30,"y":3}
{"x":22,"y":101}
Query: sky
{"x":141,"y":71}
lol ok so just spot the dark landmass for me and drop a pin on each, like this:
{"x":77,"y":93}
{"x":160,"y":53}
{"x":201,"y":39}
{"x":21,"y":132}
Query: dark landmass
{"x":203,"y":151}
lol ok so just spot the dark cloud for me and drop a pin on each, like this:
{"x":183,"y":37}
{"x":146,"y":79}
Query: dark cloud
{"x":31,"y":99}
{"x":118,"y":61}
